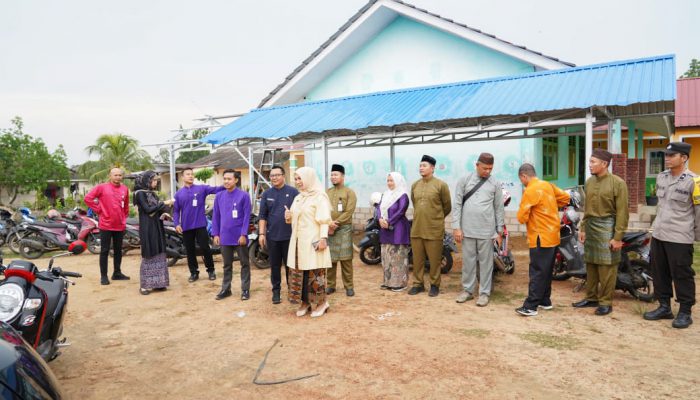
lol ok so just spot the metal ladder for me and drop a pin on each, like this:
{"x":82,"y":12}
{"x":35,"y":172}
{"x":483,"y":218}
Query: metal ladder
{"x":267,"y":160}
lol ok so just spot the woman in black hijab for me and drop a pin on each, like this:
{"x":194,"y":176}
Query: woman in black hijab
{"x":154,"y":265}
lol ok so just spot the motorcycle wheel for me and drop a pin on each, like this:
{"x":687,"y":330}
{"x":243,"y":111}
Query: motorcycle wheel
{"x":172,"y":261}
{"x":259,"y":258}
{"x":645,"y":293}
{"x":93,"y":244}
{"x":28,"y":251}
{"x":370,"y":255}
{"x":559,"y":272}
{"x":13,"y":240}
{"x":446,"y":264}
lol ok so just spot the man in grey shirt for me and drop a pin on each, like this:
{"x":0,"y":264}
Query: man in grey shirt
{"x":675,"y":229}
{"x":476,"y":221}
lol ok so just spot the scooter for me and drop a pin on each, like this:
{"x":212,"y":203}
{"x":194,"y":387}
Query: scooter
{"x":82,"y":227}
{"x":256,"y":253}
{"x":19,"y":222}
{"x":634,"y":274}
{"x":370,"y":248}
{"x":43,"y":237}
{"x":34,"y":301}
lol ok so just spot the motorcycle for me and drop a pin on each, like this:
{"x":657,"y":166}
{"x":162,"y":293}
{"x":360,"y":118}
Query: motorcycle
{"x":175,"y":243}
{"x":633,"y":273}
{"x":34,"y":301}
{"x":23,"y":373}
{"x":82,"y":227}
{"x":256,"y":253}
{"x":19,"y":221}
{"x":370,"y":248}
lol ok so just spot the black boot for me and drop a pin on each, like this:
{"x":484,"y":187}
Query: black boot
{"x":276,"y":297}
{"x":682,"y":320}
{"x":662,"y":312}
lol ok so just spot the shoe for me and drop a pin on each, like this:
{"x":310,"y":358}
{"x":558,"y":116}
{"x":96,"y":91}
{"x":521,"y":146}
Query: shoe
{"x":349,"y":292}
{"x":585,"y":303}
{"x":483,"y":300}
{"x":145,"y":292}
{"x":245,"y":295}
{"x":544,"y":307}
{"x":415,"y":290}
{"x":603,"y":310}
{"x":384,"y":287}
{"x":193,"y":278}
{"x":276,"y":297}
{"x":662,"y":312}
{"x":434,"y":291}
{"x":118,"y":276}
{"x":212,"y":276}
{"x":330,"y":290}
{"x":464,"y":297}
{"x":223,"y":294}
{"x":160,"y":289}
{"x":526,"y":312}
{"x":398,"y":289}
{"x":303,"y":309}
{"x":322,"y":309}
{"x":104,"y":281}
{"x":682,"y":320}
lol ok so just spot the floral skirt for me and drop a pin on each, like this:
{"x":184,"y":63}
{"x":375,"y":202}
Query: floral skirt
{"x":307,"y":286}
{"x":395,"y":263}
{"x":154,"y":272}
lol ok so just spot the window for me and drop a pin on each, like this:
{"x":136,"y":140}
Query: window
{"x":655,"y":162}
{"x":573,"y":141}
{"x":549,"y":158}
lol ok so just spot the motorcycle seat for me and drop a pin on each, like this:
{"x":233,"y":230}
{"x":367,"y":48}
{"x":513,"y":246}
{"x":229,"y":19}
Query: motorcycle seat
{"x":49,"y":224}
{"x":632,"y":236}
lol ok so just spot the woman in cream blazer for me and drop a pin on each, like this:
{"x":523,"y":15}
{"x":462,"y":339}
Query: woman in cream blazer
{"x":309,"y":255}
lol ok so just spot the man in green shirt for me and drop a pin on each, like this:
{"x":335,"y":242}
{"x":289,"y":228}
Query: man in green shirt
{"x":343,"y":201}
{"x":604,"y":223}
{"x":431,"y":204}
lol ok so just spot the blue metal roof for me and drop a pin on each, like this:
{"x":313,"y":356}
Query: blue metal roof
{"x":620,"y":83}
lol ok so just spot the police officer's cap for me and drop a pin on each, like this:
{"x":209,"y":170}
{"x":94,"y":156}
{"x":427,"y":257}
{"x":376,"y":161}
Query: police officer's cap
{"x":678,"y":147}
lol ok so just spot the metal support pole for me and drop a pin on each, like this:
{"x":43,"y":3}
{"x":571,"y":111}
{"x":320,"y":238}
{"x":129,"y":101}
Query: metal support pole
{"x":324,"y":146}
{"x":392,"y":156}
{"x":589,"y":140}
{"x":173,"y":174}
{"x":631,"y":138}
{"x":251,"y":176}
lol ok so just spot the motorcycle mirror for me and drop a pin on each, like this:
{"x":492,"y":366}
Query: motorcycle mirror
{"x":77,"y":247}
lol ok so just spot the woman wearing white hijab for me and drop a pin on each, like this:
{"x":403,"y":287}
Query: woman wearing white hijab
{"x":309,"y":256}
{"x":394,"y":232}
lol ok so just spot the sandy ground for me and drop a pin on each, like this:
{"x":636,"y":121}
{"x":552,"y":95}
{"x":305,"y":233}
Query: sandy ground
{"x":182,"y":344}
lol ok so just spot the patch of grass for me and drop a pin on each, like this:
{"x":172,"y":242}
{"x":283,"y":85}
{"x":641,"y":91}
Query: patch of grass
{"x":475,"y":332}
{"x":639,"y":308}
{"x":551,"y":341}
{"x":500,"y":297}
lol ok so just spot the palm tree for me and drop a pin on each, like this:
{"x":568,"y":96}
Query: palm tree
{"x":114,"y":150}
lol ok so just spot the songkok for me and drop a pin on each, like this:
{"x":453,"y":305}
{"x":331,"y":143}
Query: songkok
{"x":428,"y":159}
{"x":602,"y":155}
{"x":338,"y":167}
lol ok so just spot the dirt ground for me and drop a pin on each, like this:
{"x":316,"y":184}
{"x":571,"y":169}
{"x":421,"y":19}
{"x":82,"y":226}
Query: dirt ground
{"x":182,"y":344}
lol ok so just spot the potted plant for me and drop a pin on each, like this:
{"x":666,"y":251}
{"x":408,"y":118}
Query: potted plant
{"x":652,"y":200}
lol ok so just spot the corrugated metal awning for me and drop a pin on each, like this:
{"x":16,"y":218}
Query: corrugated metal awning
{"x":688,"y":103}
{"x":624,"y":89}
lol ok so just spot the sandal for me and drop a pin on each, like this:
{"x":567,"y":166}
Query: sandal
{"x":145,"y":292}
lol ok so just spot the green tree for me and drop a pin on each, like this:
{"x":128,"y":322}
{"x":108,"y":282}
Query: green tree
{"x":204,"y":174}
{"x":114,"y":150}
{"x":185,"y":156}
{"x":27,"y":164}
{"x":694,"y":69}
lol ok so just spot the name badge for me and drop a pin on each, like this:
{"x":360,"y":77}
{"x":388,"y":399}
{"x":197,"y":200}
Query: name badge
{"x":194,"y":203}
{"x":234,"y":213}
{"x":122,"y":203}
{"x":340,"y":207}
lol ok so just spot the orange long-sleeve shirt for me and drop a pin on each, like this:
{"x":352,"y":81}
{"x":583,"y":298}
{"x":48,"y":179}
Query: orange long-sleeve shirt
{"x":539,"y":211}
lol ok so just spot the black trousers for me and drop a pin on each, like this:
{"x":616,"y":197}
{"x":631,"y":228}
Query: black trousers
{"x":201,"y":236}
{"x":277,"y":251}
{"x":113,"y":238}
{"x":540,"y":286}
{"x":227,"y":254}
{"x":672,"y":266}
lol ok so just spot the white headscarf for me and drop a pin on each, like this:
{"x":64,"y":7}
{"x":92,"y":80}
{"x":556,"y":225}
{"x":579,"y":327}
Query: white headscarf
{"x":312,"y":185}
{"x":392,"y":196}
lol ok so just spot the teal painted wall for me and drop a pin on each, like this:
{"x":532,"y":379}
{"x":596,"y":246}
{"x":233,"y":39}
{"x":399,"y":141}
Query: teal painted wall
{"x":409,"y":54}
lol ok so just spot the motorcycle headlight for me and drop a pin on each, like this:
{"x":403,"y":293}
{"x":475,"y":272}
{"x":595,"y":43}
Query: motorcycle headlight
{"x":11,"y":301}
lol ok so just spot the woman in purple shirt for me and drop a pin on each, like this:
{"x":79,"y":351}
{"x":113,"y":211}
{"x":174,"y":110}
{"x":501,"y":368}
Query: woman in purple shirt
{"x":394,"y":233}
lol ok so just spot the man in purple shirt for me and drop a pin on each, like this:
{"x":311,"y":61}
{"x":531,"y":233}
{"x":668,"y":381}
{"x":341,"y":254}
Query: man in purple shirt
{"x":230,"y":229}
{"x":190,"y":221}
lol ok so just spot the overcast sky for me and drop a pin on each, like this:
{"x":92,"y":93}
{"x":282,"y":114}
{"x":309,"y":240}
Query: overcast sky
{"x":75,"y":69}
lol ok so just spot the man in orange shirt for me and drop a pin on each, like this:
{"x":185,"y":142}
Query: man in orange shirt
{"x":539,"y":211}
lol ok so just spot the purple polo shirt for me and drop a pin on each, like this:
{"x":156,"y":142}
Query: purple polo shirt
{"x":185,"y":213}
{"x":231,"y":216}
